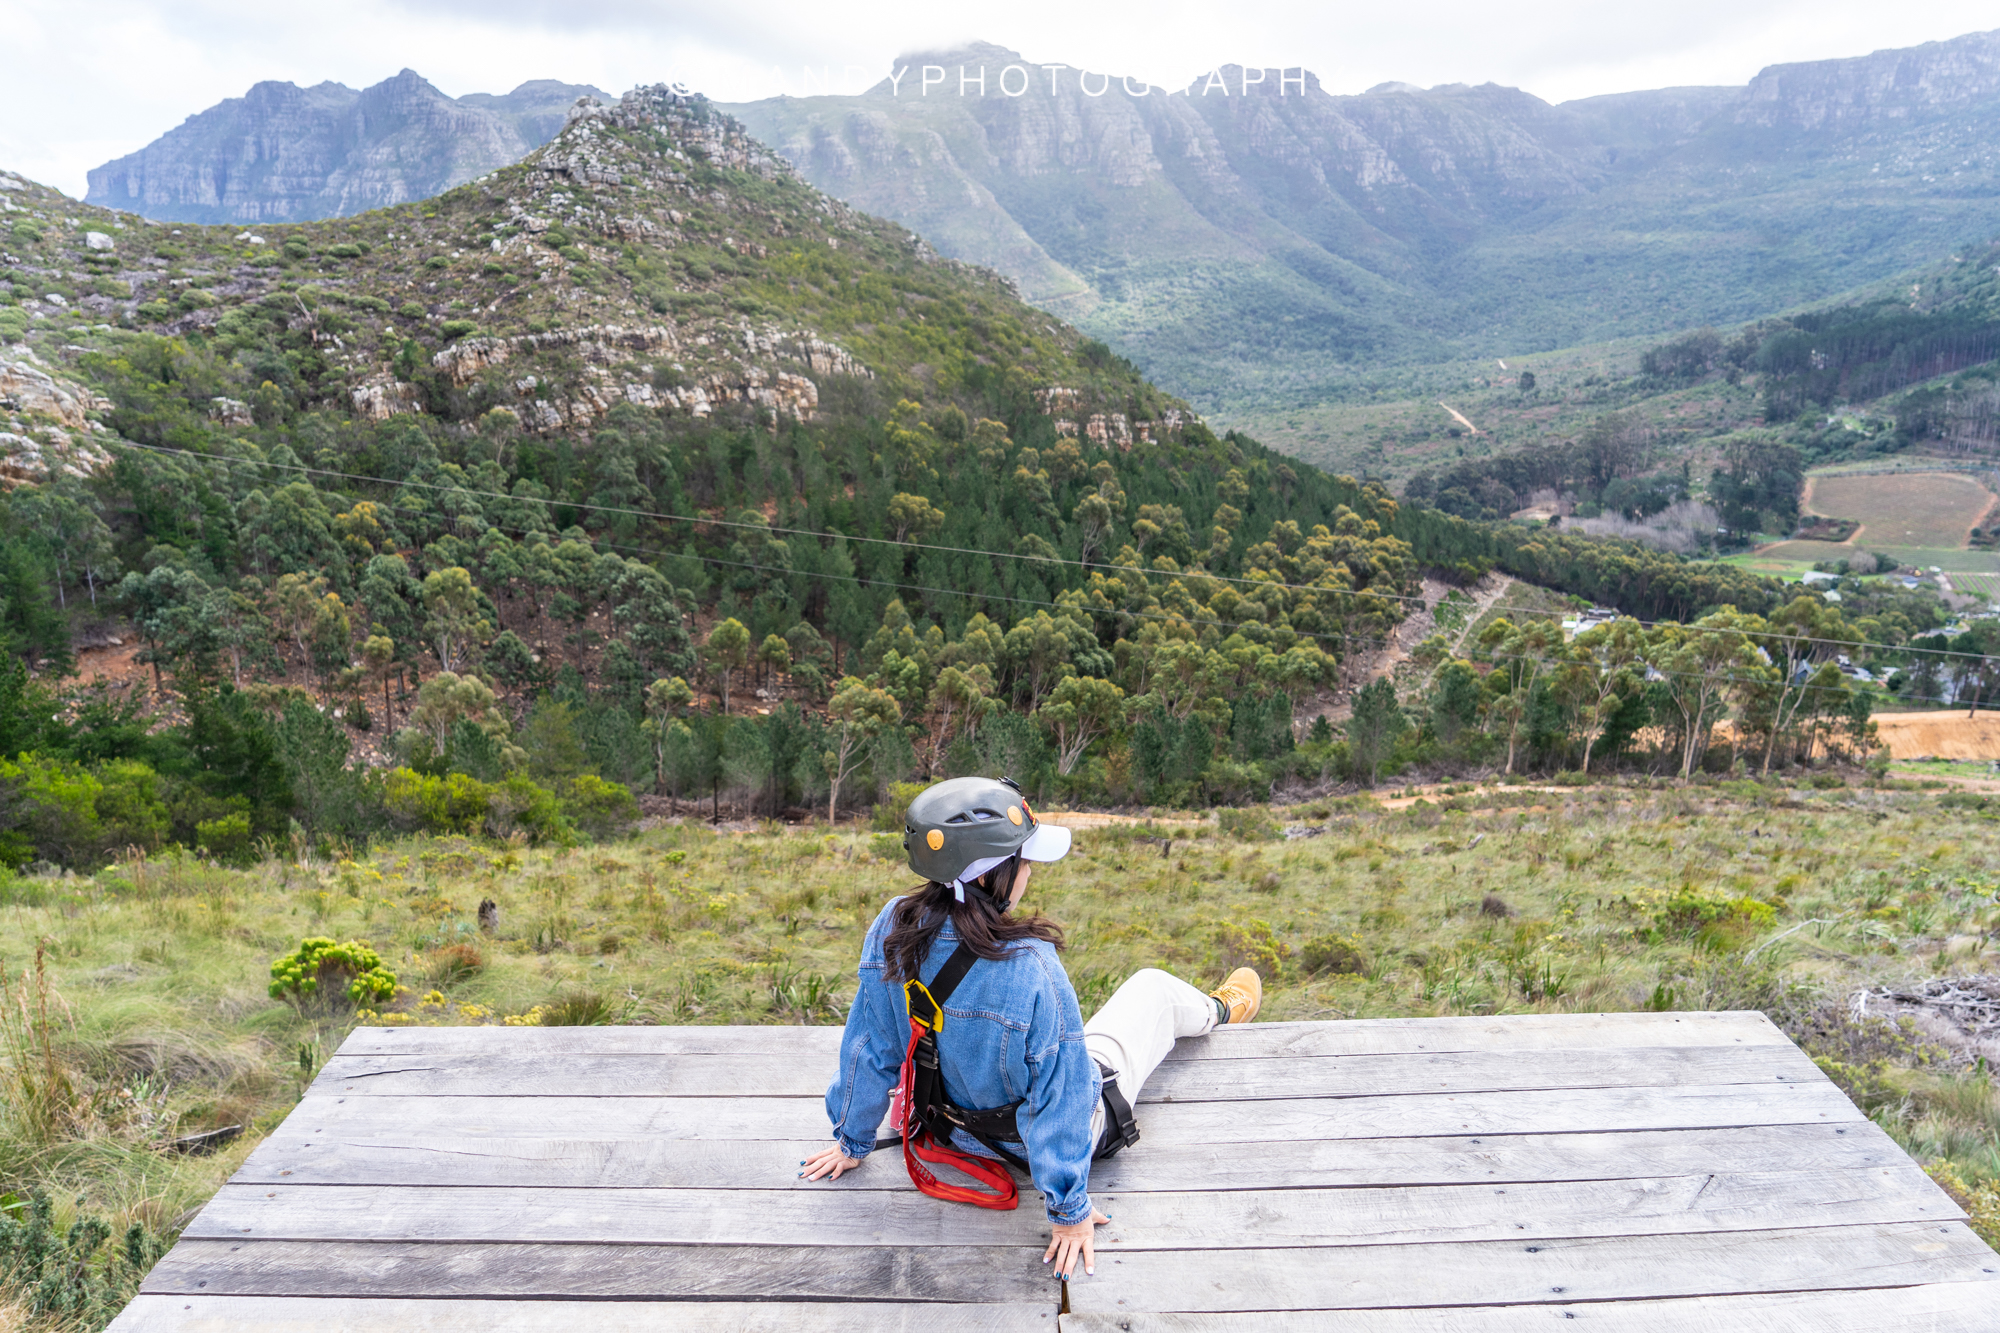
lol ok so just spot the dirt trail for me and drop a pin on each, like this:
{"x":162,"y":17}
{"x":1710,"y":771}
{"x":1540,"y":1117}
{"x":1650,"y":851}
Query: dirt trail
{"x":1091,"y":819}
{"x":1434,"y":792}
{"x":1947,"y":735}
{"x":1414,"y":629}
{"x":1806,"y":507}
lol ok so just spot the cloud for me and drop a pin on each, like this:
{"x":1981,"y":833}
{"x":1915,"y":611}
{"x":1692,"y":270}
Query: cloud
{"x":79,"y":91}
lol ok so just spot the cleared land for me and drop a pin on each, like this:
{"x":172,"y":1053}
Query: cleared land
{"x":1935,"y":510}
{"x":1950,"y":735}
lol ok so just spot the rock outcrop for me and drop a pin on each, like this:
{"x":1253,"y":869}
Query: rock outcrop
{"x":47,"y":422}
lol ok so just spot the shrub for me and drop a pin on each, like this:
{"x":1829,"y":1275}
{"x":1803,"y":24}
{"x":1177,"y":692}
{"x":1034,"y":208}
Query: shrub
{"x":458,"y":328}
{"x":1251,"y":943}
{"x":1720,"y":921}
{"x":1338,"y":955}
{"x":71,"y":1278}
{"x":581,"y":1009}
{"x":453,"y":963}
{"x":1248,"y":825}
{"x":318,"y":967}
{"x":887,"y":816}
{"x":50,"y":810}
{"x":520,"y":803}
{"x":454,"y":803}
{"x":1866,"y":1085}
{"x":1981,"y":1201}
{"x":599,"y":808}
{"x":345,"y":250}
{"x":458,"y":803}
{"x":225,"y":839}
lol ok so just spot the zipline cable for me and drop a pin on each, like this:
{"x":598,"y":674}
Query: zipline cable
{"x":697,"y":520}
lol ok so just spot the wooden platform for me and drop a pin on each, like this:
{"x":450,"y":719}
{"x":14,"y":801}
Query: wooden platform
{"x":1643,"y":1171}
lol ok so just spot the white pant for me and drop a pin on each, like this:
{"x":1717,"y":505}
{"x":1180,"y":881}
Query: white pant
{"x":1136,"y":1028}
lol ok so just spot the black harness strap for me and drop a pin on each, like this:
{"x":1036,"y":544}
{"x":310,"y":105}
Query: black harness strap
{"x":936,"y":1112}
{"x":934,"y":1107}
{"x":1120,"y":1129}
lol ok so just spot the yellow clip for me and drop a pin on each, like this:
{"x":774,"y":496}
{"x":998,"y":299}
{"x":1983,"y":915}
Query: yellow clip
{"x":936,"y":1022}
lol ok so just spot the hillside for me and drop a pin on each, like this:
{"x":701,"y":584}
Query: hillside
{"x":648,"y":407}
{"x":1264,"y":248}
{"x":281,"y":153}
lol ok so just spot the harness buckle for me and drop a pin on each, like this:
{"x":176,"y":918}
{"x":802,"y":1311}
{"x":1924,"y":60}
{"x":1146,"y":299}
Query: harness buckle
{"x":911,"y":989}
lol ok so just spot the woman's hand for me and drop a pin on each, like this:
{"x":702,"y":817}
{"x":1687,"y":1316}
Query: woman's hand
{"x":830,"y":1162}
{"x":1072,"y":1242}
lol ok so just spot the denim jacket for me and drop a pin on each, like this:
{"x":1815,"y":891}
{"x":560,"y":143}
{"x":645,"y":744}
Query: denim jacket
{"x":1012,"y":1030}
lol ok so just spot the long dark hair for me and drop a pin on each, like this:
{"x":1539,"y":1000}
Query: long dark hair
{"x":982,"y":922}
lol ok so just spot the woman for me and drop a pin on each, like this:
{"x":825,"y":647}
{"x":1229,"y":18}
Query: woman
{"x":1013,"y":1046}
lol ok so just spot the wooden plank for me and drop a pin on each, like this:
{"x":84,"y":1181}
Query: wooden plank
{"x":290,"y":1314}
{"x":1369,"y":1036}
{"x":504,"y":1073}
{"x":1507,"y":1032}
{"x":802,"y":1120}
{"x":1260,"y":1219}
{"x":1949,"y":1307}
{"x":411,"y":1155}
{"x":970,"y":1275}
{"x":1540,"y":1272}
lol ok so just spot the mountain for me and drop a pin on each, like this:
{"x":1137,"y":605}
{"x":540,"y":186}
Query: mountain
{"x":1259,"y":244}
{"x":650,"y":317}
{"x":282,"y":153}
{"x":646,"y":405}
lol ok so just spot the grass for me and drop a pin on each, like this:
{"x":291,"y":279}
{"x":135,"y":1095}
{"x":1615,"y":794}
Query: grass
{"x":151,"y":1020}
{"x":1920,"y":510}
{"x":1770,"y":561}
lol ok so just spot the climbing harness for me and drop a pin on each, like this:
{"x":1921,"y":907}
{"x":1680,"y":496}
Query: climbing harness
{"x":925,"y":1115}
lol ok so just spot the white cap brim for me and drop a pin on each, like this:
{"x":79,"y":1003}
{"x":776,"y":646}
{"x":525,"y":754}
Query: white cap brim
{"x":1049,"y":842}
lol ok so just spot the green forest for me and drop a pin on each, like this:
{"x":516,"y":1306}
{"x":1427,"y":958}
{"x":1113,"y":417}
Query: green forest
{"x":385,"y":578}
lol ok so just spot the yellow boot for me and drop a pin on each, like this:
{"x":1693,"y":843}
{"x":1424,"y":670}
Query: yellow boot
{"x":1241,"y":995}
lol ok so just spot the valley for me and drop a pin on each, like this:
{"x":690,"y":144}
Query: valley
{"x":517,"y":565}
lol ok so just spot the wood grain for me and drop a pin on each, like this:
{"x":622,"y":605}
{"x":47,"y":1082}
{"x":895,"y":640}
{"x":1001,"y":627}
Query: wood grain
{"x":1370,"y":1036}
{"x":1249,"y":1219}
{"x":413,"y":1156}
{"x":971,"y":1275}
{"x":1165,"y":1125}
{"x":291,"y":1314}
{"x":1540,"y":1272}
{"x":1953,"y":1307}
{"x":521,"y":1074}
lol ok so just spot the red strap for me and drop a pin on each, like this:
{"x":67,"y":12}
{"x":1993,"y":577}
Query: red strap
{"x":919,"y":1147}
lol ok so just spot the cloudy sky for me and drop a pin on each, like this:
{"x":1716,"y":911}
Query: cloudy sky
{"x":85,"y":85}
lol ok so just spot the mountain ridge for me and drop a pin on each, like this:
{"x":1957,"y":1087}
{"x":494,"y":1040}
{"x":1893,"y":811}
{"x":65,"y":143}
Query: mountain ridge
{"x":282,"y":153}
{"x":1257,"y":251}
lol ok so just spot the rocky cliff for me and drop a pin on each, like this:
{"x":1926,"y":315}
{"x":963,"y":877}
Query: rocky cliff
{"x":1255,"y":241}
{"x":282,"y":153}
{"x":653,"y":257}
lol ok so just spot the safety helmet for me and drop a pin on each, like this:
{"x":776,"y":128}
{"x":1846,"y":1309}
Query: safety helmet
{"x":959,"y":829}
